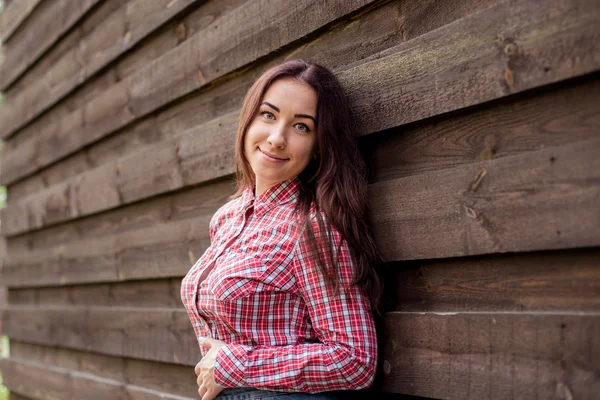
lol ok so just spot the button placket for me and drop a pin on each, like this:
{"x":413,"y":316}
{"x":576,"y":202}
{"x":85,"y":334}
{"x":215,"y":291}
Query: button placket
{"x":217,"y":254}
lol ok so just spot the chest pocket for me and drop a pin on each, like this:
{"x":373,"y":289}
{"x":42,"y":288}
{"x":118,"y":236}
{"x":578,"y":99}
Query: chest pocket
{"x":238,"y":279}
{"x":251,"y":275}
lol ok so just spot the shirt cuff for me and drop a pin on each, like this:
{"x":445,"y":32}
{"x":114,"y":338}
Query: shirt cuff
{"x":230,"y":365}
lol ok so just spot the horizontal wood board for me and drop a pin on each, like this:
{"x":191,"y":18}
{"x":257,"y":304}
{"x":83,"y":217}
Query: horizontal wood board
{"x":493,"y":355}
{"x":336,"y":48}
{"x":38,"y":33}
{"x":221,"y":48}
{"x":20,"y":211}
{"x":111,"y":38}
{"x":13,"y":15}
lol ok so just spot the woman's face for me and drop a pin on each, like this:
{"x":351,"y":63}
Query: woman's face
{"x":281,"y":139}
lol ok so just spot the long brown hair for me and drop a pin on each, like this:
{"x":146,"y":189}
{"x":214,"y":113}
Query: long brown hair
{"x":335,"y":182}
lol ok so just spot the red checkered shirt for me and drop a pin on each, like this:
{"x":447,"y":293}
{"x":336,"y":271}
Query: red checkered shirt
{"x":258,"y":289}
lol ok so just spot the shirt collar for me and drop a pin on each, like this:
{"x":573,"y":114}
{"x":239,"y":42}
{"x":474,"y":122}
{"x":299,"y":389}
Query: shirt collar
{"x":280,"y":193}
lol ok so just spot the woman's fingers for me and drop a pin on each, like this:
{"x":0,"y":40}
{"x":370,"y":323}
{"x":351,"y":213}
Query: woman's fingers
{"x":209,"y":395}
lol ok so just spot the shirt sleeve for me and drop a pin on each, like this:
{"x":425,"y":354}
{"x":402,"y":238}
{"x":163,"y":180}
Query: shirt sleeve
{"x":345,"y":358}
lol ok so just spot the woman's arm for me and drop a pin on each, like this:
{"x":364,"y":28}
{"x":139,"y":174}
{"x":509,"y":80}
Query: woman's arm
{"x":347,"y":356}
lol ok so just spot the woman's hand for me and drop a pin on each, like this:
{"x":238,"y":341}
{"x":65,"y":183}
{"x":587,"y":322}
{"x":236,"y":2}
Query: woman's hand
{"x":208,"y":389}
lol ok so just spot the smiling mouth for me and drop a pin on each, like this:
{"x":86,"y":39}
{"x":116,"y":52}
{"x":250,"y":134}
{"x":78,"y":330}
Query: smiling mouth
{"x":271,"y":156}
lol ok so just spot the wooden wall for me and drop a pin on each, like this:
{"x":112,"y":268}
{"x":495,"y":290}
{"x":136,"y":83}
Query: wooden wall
{"x":480,"y":120}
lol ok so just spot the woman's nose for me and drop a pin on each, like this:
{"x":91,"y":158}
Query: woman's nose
{"x":277,"y":136}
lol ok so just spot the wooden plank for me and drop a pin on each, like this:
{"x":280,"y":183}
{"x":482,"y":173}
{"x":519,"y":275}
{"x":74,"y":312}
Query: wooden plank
{"x":509,"y":48}
{"x":530,"y":19}
{"x":163,"y":377}
{"x":38,"y":33}
{"x":224,"y":46}
{"x":112,"y":37}
{"x":45,"y":381}
{"x":142,"y":131}
{"x":13,"y":16}
{"x":337,"y":47}
{"x":159,"y":238}
{"x":158,"y":293}
{"x":197,"y":156}
{"x":559,"y":115}
{"x":493,"y":355}
{"x":542,"y":200}
{"x":117,"y":331}
{"x":540,"y":281}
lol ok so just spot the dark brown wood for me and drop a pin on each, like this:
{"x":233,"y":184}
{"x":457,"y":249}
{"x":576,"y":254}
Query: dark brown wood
{"x":336,"y":49}
{"x":141,"y":132}
{"x":476,"y":21}
{"x":118,"y":331}
{"x":493,"y":355}
{"x":162,"y":377}
{"x":37,"y":34}
{"x":464,"y":63}
{"x":159,"y":238}
{"x":519,"y":203}
{"x":218,"y":50}
{"x":158,"y":293}
{"x":13,"y":16}
{"x":540,"y":281}
{"x":113,"y":36}
{"x":45,"y":381}
{"x":561,"y":114}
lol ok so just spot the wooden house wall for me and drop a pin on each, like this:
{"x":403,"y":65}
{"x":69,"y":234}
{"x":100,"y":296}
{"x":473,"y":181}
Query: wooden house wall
{"x":479,"y":120}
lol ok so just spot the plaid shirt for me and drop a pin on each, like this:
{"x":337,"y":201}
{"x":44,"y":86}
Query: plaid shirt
{"x":258,"y":289}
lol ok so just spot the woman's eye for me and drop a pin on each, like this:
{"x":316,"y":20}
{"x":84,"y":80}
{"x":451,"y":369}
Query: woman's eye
{"x":267,"y":115}
{"x":303,"y":127}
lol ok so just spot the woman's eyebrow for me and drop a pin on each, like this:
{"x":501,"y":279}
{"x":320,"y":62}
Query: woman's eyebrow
{"x":295,"y":116}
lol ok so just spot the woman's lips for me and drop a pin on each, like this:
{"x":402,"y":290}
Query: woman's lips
{"x":273,"y":158}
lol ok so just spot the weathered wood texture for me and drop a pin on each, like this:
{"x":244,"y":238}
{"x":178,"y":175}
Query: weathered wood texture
{"x":13,"y":15}
{"x":159,"y":334}
{"x":39,"y":31}
{"x":114,"y":246}
{"x":488,"y":208}
{"x":374,"y":114}
{"x":142,"y":131}
{"x":161,"y":377}
{"x":160,"y":238}
{"x":219,"y":49}
{"x":337,"y":48}
{"x":538,"y":281}
{"x":493,"y":355}
{"x":45,"y":381}
{"x":479,"y":120}
{"x":119,"y":32}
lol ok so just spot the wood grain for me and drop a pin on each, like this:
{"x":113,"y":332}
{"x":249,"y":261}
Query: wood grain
{"x":112,"y":37}
{"x":161,"y":238}
{"x":492,"y":355}
{"x":37,"y":34}
{"x":554,"y":116}
{"x":224,"y":46}
{"x":13,"y":16}
{"x":162,"y":377}
{"x":558,"y":281}
{"x":337,"y":48}
{"x":465,"y":62}
{"x":529,"y":22}
{"x":117,"y":331}
{"x":45,"y":381}
{"x":518,"y":203}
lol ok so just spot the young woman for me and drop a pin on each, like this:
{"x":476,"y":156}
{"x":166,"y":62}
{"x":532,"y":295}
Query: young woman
{"x":282,"y":300}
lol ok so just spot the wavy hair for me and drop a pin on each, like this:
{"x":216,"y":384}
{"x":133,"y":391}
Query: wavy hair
{"x":335,"y":182}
